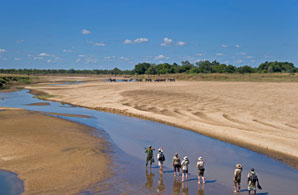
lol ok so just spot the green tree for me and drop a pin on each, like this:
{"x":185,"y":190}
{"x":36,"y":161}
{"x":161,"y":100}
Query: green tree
{"x":141,"y":68}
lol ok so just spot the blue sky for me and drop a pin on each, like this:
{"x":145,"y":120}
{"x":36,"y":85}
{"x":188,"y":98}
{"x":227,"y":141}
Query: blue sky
{"x":103,"y":34}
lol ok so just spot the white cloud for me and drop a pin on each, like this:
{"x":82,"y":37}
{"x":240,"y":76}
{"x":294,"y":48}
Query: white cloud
{"x":200,"y":54}
{"x":91,"y":60}
{"x":242,"y":53}
{"x":127,"y":41}
{"x":166,"y":41}
{"x":161,"y":57}
{"x":17,"y":59}
{"x":43,"y":54}
{"x":108,"y":58}
{"x":67,"y":50}
{"x":220,"y":54}
{"x":37,"y":58}
{"x":224,"y":46}
{"x":237,"y":46}
{"x":239,"y":61}
{"x":138,"y":40}
{"x":81,"y":55}
{"x":78,"y":60}
{"x":86,"y":32}
{"x":124,"y":58}
{"x":49,"y":61}
{"x":99,"y":44}
{"x":2,"y":50}
{"x":19,"y":41}
{"x":141,"y":40}
{"x":180,"y":43}
{"x":249,"y":57}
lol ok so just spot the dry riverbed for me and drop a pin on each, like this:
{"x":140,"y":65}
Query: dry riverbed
{"x":51,"y":155}
{"x":261,"y":116}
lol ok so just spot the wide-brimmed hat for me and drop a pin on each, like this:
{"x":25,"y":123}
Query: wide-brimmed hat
{"x":159,"y":150}
{"x":239,"y":166}
{"x":200,"y":158}
{"x":185,"y":157}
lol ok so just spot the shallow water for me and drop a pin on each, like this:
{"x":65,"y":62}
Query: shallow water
{"x":130,"y":135}
{"x":10,"y":184}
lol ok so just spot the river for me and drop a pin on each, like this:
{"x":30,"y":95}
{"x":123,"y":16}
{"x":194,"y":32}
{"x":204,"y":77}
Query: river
{"x":128,"y":137}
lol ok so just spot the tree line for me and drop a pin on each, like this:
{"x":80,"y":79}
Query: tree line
{"x":166,"y":68}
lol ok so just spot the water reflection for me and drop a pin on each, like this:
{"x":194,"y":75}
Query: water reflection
{"x":176,"y":185}
{"x":184,"y":188}
{"x":149,"y":179}
{"x":160,"y":186}
{"x":201,"y":188}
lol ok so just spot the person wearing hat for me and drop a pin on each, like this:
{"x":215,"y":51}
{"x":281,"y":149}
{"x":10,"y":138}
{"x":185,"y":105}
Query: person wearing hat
{"x":161,"y":158}
{"x":184,"y":167}
{"x":176,"y":164}
{"x":252,"y":179}
{"x":149,"y":155}
{"x":201,"y":169}
{"x":237,"y":177}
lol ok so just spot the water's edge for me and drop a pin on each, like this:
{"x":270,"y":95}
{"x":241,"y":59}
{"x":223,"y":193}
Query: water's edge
{"x":292,"y":161}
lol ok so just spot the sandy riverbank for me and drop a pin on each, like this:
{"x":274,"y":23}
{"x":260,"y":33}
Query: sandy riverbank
{"x":51,"y":155}
{"x":260,"y":116}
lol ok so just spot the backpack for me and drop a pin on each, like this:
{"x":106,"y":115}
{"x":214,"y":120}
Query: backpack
{"x":253,"y":177}
{"x":200,"y":165}
{"x":161,"y":157}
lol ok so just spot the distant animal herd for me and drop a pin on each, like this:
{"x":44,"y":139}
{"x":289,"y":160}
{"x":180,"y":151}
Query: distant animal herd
{"x":142,"y":80}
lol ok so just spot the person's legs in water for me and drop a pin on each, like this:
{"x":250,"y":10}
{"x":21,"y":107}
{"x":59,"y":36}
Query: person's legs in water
{"x":175,"y":167}
{"x":186,"y":175}
{"x":199,"y":179}
{"x":160,"y":167}
{"x":150,"y":162}
{"x":182,"y":176}
{"x":203,"y":179}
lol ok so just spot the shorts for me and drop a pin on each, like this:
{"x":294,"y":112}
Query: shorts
{"x":252,"y":186}
{"x":237,"y":181}
{"x":201,"y":172}
{"x":176,"y":167}
{"x":185,"y":171}
{"x":160,"y":163}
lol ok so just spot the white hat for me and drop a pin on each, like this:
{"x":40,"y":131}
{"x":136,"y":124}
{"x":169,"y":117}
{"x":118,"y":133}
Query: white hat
{"x":200,"y":158}
{"x":185,"y":157}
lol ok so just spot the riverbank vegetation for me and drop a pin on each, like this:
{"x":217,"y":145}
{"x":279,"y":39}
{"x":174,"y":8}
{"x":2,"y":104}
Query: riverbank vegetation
{"x":201,"y":71}
{"x":6,"y":81}
{"x":166,"y":68}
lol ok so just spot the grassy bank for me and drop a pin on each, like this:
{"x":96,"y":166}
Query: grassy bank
{"x":7,"y":81}
{"x":250,"y":77}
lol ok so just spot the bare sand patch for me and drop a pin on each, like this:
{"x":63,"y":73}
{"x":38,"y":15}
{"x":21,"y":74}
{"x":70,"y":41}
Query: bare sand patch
{"x":261,"y":116}
{"x":51,"y":155}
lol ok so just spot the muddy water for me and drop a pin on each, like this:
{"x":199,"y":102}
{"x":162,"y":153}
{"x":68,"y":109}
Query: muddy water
{"x":10,"y":184}
{"x":129,"y":136}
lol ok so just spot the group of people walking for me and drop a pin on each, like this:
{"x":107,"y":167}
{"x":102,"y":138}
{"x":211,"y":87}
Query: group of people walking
{"x":252,"y":178}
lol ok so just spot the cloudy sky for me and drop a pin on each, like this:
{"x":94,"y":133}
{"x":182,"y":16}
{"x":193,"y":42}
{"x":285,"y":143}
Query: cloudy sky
{"x":95,"y":34}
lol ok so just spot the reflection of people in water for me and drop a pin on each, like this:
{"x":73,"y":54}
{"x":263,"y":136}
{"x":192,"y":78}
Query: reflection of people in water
{"x":176,"y":186}
{"x":184,"y":188}
{"x":160,"y":186}
{"x":201,"y":189}
{"x":149,"y":179}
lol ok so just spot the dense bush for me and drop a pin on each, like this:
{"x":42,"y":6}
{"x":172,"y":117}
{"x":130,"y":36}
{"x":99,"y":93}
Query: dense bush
{"x":166,"y":68}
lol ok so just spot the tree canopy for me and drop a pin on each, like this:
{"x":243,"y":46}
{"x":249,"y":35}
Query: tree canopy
{"x":166,"y":68}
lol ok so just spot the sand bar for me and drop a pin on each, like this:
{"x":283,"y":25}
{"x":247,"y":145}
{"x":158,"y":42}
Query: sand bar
{"x":51,"y":155}
{"x":258,"y":115}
